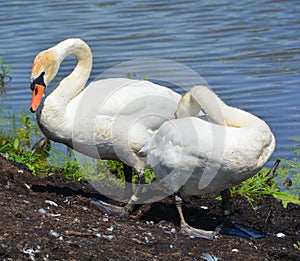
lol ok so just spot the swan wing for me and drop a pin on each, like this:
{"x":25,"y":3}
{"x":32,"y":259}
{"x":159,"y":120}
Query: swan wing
{"x":121,"y":111}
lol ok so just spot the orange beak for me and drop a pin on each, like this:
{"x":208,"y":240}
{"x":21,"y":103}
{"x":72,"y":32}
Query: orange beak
{"x":37,"y":95}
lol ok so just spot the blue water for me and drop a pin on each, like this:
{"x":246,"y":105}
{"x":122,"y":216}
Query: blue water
{"x":247,"y":51}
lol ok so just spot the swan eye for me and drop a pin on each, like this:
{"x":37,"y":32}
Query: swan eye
{"x":39,"y":80}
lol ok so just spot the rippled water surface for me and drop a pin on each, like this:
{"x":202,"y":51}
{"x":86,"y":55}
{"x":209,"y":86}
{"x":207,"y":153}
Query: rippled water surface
{"x":247,"y":51}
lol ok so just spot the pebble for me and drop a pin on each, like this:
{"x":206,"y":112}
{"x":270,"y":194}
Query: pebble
{"x":173,"y":230}
{"x":235,"y":250}
{"x":42,"y":211}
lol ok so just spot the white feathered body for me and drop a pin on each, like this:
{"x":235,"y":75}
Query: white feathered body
{"x":198,"y":155}
{"x":111,"y":118}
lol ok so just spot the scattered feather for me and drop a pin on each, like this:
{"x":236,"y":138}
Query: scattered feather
{"x":280,"y":235}
{"x":111,"y":228}
{"x":51,"y":203}
{"x":7,"y":184}
{"x":108,"y":237}
{"x":209,"y":257}
{"x":27,"y":186}
{"x":54,"y":233}
{"x":31,"y":252}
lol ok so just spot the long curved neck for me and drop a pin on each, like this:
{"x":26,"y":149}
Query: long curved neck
{"x":70,"y":86}
{"x":201,"y":97}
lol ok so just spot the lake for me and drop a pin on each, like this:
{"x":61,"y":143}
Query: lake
{"x":247,"y":51}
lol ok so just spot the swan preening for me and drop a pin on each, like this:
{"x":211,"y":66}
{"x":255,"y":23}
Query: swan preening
{"x":229,"y":141}
{"x":208,"y":153}
{"x":110,"y":119}
{"x":132,"y":121}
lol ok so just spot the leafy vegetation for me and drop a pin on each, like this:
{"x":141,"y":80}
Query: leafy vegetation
{"x":16,"y":145}
{"x":264,"y":184}
{"x":5,"y":78}
{"x":297,"y":245}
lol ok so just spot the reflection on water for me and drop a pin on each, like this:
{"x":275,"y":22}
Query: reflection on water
{"x":248,"y":52}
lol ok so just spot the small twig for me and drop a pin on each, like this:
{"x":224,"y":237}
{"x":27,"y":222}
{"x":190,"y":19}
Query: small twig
{"x":268,"y":216}
{"x":79,"y":234}
{"x":271,"y":172}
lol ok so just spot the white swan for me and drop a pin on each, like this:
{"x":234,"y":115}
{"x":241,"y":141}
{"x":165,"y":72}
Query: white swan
{"x":110,"y":119}
{"x":209,"y":153}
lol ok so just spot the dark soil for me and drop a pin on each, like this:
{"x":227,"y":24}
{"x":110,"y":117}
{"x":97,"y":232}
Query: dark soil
{"x":33,"y":228}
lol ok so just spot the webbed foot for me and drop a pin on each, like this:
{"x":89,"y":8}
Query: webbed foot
{"x":110,"y":209}
{"x":230,"y":227}
{"x":195,"y":232}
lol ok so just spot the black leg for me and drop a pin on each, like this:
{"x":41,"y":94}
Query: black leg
{"x":135,"y":195}
{"x":225,"y":194}
{"x":112,"y":210}
{"x":229,"y":227}
{"x":128,"y":180}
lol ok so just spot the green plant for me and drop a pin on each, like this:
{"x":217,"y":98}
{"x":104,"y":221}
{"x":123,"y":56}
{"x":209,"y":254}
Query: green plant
{"x":16,"y":144}
{"x":264,"y":183}
{"x":254,"y":187}
{"x":4,"y":75}
{"x":297,"y":245}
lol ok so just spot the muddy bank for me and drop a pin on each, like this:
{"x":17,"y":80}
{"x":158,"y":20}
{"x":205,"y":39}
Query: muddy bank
{"x":52,"y":219}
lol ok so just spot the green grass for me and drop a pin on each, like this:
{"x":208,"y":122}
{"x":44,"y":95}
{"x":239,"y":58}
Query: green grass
{"x":263,"y":184}
{"x":16,"y":144}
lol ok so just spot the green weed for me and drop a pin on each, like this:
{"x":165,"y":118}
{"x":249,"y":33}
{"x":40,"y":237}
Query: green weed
{"x":5,"y":78}
{"x":263,"y":183}
{"x":297,"y":245}
{"x":16,"y":144}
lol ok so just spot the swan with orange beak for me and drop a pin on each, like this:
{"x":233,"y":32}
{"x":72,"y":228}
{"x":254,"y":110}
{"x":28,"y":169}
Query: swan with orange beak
{"x":109,"y":119}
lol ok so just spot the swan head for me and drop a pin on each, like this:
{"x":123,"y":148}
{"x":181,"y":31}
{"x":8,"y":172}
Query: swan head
{"x":44,"y":68}
{"x":187,"y":106}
